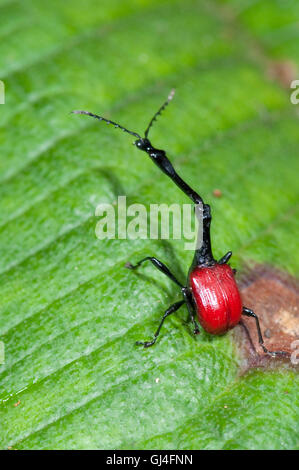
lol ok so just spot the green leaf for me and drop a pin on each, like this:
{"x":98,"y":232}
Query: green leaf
{"x":69,"y":311}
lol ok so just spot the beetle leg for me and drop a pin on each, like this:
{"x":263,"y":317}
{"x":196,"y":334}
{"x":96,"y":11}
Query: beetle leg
{"x":225,"y":258}
{"x":249,"y":313}
{"x":173,"y":308}
{"x":159,"y":265}
{"x":190,"y":308}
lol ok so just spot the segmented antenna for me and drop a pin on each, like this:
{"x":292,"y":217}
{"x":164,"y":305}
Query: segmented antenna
{"x":100,"y":118}
{"x":170,"y":96}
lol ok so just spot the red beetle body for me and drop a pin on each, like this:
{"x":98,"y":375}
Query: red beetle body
{"x":216,"y":297}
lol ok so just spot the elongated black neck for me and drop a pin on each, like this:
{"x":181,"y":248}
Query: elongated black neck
{"x":203,"y":254}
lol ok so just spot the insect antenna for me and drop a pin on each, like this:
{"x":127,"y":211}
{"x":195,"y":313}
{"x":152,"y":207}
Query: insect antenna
{"x":100,"y":118}
{"x":170,"y":96}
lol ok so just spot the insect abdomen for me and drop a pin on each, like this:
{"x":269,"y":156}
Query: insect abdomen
{"x":216,"y":297}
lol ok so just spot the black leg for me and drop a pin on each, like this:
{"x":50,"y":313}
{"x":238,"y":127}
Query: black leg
{"x":245,"y":328}
{"x":225,"y":258}
{"x":249,"y":313}
{"x":190,"y":307}
{"x":157,"y":265}
{"x":168,"y":312}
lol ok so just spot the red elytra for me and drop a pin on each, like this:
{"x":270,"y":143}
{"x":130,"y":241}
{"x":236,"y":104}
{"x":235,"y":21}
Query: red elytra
{"x":216,"y":296}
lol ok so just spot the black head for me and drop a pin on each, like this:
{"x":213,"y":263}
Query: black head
{"x":143,"y":144}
